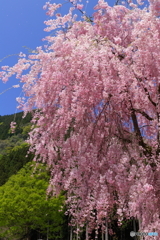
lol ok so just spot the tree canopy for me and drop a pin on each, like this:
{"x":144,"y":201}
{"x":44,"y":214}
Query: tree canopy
{"x":24,"y":206}
{"x":13,"y":160}
{"x":101,"y":80}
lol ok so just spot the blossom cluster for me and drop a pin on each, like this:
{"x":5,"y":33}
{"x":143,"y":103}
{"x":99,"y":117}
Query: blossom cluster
{"x":13,"y":127}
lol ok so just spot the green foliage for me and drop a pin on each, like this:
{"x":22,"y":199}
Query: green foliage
{"x":24,"y":206}
{"x":7,"y":119}
{"x":10,"y":142}
{"x":26,"y":129}
{"x":13,"y":160}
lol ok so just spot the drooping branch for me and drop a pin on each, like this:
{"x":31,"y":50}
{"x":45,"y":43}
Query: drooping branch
{"x":158,"y":118}
{"x":149,"y":97}
{"x":138,"y":132}
{"x":146,"y":91}
{"x":117,"y":2}
{"x":136,"y":127}
{"x":143,"y":114}
{"x":97,"y":119}
{"x":120,"y":2}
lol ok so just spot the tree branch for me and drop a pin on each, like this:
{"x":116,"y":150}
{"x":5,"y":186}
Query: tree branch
{"x":158,"y":116}
{"x":146,"y":91}
{"x":143,"y":114}
{"x":138,"y":132}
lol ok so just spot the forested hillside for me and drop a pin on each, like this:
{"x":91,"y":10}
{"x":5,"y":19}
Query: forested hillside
{"x":13,"y":148}
{"x":7,"y":119}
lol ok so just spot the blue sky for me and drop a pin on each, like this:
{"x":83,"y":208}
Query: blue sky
{"x":22,"y":24}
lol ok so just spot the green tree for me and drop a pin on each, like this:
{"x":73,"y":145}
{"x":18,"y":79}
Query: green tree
{"x":24,"y":206}
{"x":13,"y":160}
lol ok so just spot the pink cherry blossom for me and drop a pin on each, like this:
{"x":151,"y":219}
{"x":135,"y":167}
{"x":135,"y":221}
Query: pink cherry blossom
{"x":16,"y":86}
{"x":79,"y":6}
{"x":12,"y":127}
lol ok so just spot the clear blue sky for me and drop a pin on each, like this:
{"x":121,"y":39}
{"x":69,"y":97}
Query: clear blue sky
{"x":22,"y":24}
